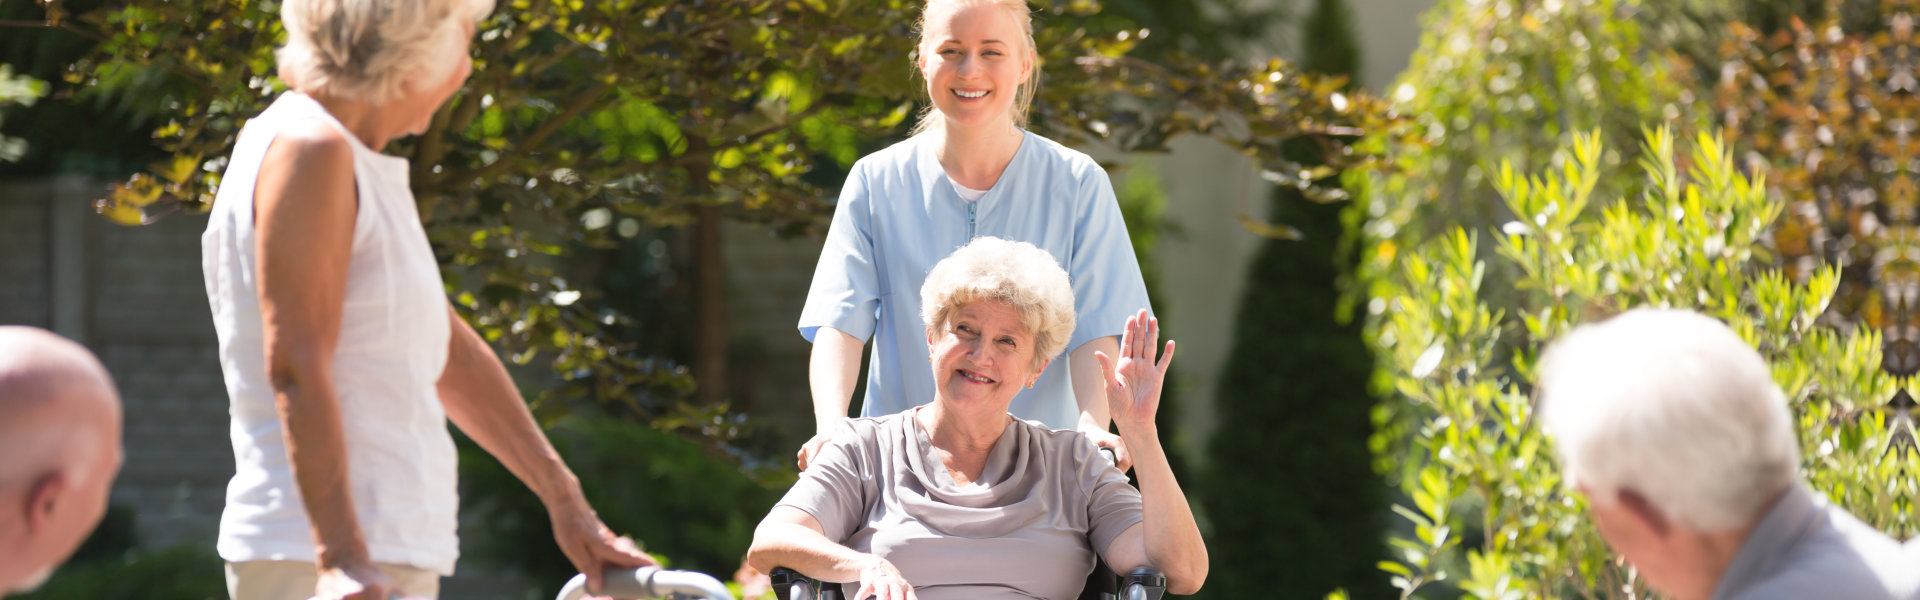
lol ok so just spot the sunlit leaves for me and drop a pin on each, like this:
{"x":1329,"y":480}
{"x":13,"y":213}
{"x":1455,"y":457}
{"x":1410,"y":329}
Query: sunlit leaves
{"x":16,"y":90}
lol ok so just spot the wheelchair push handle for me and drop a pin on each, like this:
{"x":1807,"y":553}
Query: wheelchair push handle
{"x":649,"y":582}
{"x":1143,"y":584}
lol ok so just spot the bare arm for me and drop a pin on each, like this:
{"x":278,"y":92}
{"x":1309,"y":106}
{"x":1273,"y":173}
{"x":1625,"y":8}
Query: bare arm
{"x":832,"y":370}
{"x":481,"y":399}
{"x":1090,"y":392}
{"x":1167,"y":536}
{"x":791,"y":538}
{"x":304,"y":209}
{"x":1089,"y":384}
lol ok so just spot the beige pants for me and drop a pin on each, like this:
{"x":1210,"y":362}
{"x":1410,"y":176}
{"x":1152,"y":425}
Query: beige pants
{"x":290,"y":580}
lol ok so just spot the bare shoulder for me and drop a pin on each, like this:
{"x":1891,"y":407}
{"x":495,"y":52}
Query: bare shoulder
{"x":308,"y":169}
{"x":305,"y":148}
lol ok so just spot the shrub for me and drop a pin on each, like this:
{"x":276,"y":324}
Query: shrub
{"x":177,"y":573}
{"x":1488,"y":513}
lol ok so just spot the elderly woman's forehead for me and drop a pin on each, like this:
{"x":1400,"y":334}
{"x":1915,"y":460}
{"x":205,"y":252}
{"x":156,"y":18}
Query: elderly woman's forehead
{"x":990,"y":308}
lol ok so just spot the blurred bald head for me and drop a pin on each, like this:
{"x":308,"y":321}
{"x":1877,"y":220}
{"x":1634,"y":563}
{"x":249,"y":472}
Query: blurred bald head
{"x":60,"y":439}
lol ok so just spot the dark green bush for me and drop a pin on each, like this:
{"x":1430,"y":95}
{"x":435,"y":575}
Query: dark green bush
{"x":677,"y":498}
{"x":177,"y":573}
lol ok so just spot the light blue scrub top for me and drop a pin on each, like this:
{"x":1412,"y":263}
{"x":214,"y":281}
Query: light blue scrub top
{"x":899,"y":214}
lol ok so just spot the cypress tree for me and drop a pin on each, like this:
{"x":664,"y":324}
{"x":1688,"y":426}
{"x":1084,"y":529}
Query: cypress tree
{"x":1295,"y":507}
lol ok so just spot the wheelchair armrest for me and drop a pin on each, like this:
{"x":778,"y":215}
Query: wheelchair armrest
{"x":1151,"y":583}
{"x":789,"y":584}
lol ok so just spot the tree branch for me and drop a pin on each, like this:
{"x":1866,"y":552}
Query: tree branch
{"x":547,"y":129}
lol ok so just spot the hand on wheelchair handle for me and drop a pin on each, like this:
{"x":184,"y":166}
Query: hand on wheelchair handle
{"x":1112,"y":446}
{"x":809,"y":450}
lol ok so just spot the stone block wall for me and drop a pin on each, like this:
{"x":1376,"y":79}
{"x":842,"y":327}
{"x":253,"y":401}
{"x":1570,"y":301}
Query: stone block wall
{"x":134,"y":296}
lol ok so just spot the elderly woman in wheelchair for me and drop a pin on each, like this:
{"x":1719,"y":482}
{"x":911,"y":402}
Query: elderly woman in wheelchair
{"x":957,"y":499}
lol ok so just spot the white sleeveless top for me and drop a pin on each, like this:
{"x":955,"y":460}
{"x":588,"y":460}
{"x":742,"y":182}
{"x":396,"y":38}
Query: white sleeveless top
{"x":391,"y":350}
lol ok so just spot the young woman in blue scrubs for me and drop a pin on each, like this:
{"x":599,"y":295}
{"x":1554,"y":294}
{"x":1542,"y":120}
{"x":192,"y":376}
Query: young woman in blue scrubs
{"x":970,"y":170}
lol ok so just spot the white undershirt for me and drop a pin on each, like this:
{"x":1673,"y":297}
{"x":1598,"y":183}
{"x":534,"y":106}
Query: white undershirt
{"x":967,"y":193}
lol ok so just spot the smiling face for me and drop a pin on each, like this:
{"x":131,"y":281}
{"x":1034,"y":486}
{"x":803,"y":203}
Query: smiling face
{"x":974,"y":58}
{"x":982,"y":356}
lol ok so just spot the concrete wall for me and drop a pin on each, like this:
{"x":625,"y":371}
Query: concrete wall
{"x":1389,"y":33}
{"x":134,"y":296}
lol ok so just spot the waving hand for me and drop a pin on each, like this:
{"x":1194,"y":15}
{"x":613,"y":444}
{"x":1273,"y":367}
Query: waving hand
{"x":1134,"y":381}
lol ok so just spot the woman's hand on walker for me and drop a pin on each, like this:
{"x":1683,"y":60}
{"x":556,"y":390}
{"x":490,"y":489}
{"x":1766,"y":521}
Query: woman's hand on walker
{"x":591,"y":546}
{"x":1134,"y":381}
{"x":359,"y":580}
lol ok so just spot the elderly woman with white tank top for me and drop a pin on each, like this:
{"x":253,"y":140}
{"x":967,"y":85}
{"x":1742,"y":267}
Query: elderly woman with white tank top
{"x":343,"y":359}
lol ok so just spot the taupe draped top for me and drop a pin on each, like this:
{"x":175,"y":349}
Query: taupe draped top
{"x":1028,"y":528}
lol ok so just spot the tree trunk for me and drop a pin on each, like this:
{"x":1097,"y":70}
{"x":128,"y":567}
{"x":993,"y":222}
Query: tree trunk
{"x":710,"y":308}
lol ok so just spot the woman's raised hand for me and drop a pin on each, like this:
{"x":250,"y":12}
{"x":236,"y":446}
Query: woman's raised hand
{"x":1134,"y":381}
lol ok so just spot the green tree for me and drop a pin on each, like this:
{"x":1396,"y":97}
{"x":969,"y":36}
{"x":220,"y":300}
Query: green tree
{"x":1296,"y":509}
{"x":1212,"y":30}
{"x":1512,"y":81}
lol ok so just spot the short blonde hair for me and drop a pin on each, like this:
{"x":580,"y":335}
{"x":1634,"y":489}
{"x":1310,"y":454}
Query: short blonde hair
{"x":1022,"y":97}
{"x":1017,"y":274}
{"x":1675,"y":407}
{"x":368,"y":50}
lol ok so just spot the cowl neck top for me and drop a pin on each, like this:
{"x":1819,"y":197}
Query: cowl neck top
{"x":1028,"y":527}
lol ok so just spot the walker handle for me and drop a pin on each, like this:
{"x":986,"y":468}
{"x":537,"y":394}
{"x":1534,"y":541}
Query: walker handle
{"x":648,"y":582}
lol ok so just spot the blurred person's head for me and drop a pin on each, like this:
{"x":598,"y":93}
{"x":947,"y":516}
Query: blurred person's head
{"x":979,"y":62}
{"x":59,"y":451}
{"x":408,"y":55}
{"x":1673,"y":428}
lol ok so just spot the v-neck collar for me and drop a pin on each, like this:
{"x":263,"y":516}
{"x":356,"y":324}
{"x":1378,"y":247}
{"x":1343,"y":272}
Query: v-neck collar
{"x":930,"y":167}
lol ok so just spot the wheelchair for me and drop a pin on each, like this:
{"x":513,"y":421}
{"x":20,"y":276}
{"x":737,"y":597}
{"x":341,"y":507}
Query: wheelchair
{"x":1140,"y":584}
{"x":1102,"y":584}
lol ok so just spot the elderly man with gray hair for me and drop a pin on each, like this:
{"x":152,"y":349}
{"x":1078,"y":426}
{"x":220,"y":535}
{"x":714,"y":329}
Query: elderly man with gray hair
{"x":60,"y":439}
{"x":1672,"y":427}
